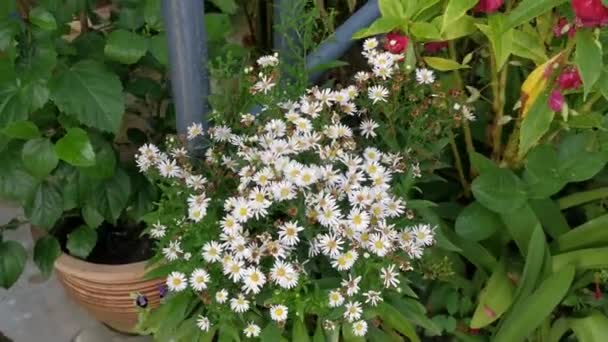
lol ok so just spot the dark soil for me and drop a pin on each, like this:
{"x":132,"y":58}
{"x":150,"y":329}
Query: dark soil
{"x":116,"y":245}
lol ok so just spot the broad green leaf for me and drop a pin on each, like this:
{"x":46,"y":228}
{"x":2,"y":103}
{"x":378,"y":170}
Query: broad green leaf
{"x":75,"y":148}
{"x":15,"y":182}
{"x":462,"y":27}
{"x":91,"y":216}
{"x":500,"y":191}
{"x":578,"y":158}
{"x":542,"y":173}
{"x":533,"y":267}
{"x":481,"y":163}
{"x":348,"y":335}
{"x":270,"y":333}
{"x":46,"y":251}
{"x":21,"y":130}
{"x":153,"y":14}
{"x":550,"y":216}
{"x":425,"y":31}
{"x":43,"y":19}
{"x":12,"y":262}
{"x":455,"y":10}
{"x":157,"y":46}
{"x":300,"y":334}
{"x":520,"y":224}
{"x":473,"y":252}
{"x":593,"y":233}
{"x":381,"y":25}
{"x":81,"y":242}
{"x":603,"y":83}
{"x":218,"y":26}
{"x":391,"y":8}
{"x":14,"y":103}
{"x":39,"y":157}
{"x":125,"y":46}
{"x":494,"y":299}
{"x":45,"y":206}
{"x":476,"y":223}
{"x":395,"y":320}
{"x":105,"y":159}
{"x":413,"y":311}
{"x":500,"y":38}
{"x":443,"y":64}
{"x":536,"y":308}
{"x":593,"y":328}
{"x":226,"y":6}
{"x":110,"y":197}
{"x":528,"y":44}
{"x":584,"y":259}
{"x":530,"y":9}
{"x":91,"y":94}
{"x":535,"y":124}
{"x":586,"y":121}
{"x":588,"y":58}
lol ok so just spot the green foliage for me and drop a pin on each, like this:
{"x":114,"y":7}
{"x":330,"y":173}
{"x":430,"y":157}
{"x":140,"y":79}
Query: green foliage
{"x":46,"y":251}
{"x":81,"y":241}
{"x":12,"y":262}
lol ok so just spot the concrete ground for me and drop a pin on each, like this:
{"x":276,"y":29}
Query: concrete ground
{"x":38,"y":310}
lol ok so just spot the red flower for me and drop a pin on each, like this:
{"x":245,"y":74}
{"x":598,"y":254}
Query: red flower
{"x":488,"y":6}
{"x":590,"y":13}
{"x":562,"y":27}
{"x":396,"y":43}
{"x":434,"y":47}
{"x":556,"y":101}
{"x":569,"y":79}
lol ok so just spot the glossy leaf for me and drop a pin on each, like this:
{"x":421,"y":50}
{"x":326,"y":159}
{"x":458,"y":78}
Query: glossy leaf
{"x":528,"y":44}
{"x":81,"y":242}
{"x":12,"y":262}
{"x":535,"y":124}
{"x":44,"y":206}
{"x":584,"y":259}
{"x":125,"y":46}
{"x":391,"y":8}
{"x":425,"y":31}
{"x":500,"y":191}
{"x":455,"y":10}
{"x":530,"y":9}
{"x":542,"y":174}
{"x":381,"y":25}
{"x":476,"y":223}
{"x":39,"y":157}
{"x":521,"y":223}
{"x":75,"y":148}
{"x":537,"y":307}
{"x":105,"y":159}
{"x":494,"y":299}
{"x":460,"y":28}
{"x":501,"y":39}
{"x":21,"y":130}
{"x":91,"y":216}
{"x":157,"y":46}
{"x":443,"y":64}
{"x":593,"y":233}
{"x":533,"y":267}
{"x":578,"y":158}
{"x":46,"y":251}
{"x":15,"y":182}
{"x":588,"y":58}
{"x":550,"y":216}
{"x":91,"y":94}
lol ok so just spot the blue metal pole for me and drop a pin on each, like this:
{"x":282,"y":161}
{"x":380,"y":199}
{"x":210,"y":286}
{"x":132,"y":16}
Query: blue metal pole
{"x":336,"y":45}
{"x":187,"y":42}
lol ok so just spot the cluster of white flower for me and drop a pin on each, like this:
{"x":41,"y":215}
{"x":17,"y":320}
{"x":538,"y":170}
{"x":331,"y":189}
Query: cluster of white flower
{"x":340,"y":207}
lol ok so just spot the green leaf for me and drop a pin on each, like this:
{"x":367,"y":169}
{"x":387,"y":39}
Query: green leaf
{"x":395,"y":320}
{"x":15,"y":182}
{"x":91,"y":94}
{"x":91,"y":216}
{"x":271,"y":333}
{"x":46,"y":251}
{"x":593,"y":328}
{"x":588,"y":58}
{"x":533,"y":267}
{"x":300,"y":334}
{"x":12,"y":262}
{"x":152,"y":14}
{"x":476,"y":223}
{"x":125,"y":46}
{"x":550,"y":216}
{"x":14,"y":103}
{"x":43,"y":19}
{"x":462,"y":27}
{"x":157,"y":46}
{"x":443,"y":64}
{"x":21,"y":130}
{"x":218,"y":26}
{"x":542,"y":174}
{"x":381,"y":25}
{"x":39,"y":157}
{"x":413,"y":311}
{"x":500,"y":38}
{"x":105,"y":159}
{"x":535,"y":124}
{"x":226,"y":6}
{"x":586,"y":121}
{"x":494,"y":299}
{"x":592,"y":233}
{"x":520,"y":224}
{"x":319,"y":335}
{"x":110,"y":197}
{"x":455,"y":10}
{"x":391,"y":8}
{"x":530,"y":9}
{"x":578,"y":159}
{"x":482,"y":164}
{"x":584,"y":259}
{"x":537,"y":307}
{"x":81,"y":241}
{"x":75,"y":148}
{"x":528,"y":44}
{"x":500,"y":191}
{"x":424,"y":30}
{"x":45,"y":206}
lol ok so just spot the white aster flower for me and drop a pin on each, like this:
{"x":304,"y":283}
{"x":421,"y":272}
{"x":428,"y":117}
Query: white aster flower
{"x":199,"y":279}
{"x":268,"y":61}
{"x":353,"y":311}
{"x":176,"y":282}
{"x":370,"y":44}
{"x":253,"y":280}
{"x":212,"y":251}
{"x":169,"y":169}
{"x":203,"y":323}
{"x":425,"y":76}
{"x":372,"y":297}
{"x":377,"y":93}
{"x":239,"y":304}
{"x":368,"y":128}
{"x":221,"y":296}
{"x":335,"y":298}
{"x":264,"y":85}
{"x":194,"y":130}
{"x":351,"y":284}
{"x":172,"y":252}
{"x":158,"y":230}
{"x":360,"y":328}
{"x":389,"y":276}
{"x":252,"y":330}
{"x":288,"y":233}
{"x":278,"y":313}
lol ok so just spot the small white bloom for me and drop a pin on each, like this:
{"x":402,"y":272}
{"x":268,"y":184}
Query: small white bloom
{"x":194,"y":131}
{"x":278,"y":313}
{"x":172,"y":252}
{"x":268,"y":61}
{"x":389,"y":276}
{"x":239,"y":304}
{"x":253,"y":280}
{"x":372,"y":297}
{"x":370,"y":44}
{"x":335,"y":299}
{"x":199,"y":279}
{"x":203,"y":323}
{"x":351,"y":284}
{"x":377,"y":93}
{"x":168,"y":168}
{"x":221,"y":296}
{"x":212,"y":251}
{"x":425,"y":76}
{"x":353,"y":311}
{"x":368,"y":128}
{"x":176,"y":282}
{"x":252,"y":330}
{"x":158,"y":230}
{"x":360,"y":328}
{"x":264,"y":85}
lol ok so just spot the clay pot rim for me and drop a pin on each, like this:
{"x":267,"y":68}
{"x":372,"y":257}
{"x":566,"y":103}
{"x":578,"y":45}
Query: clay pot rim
{"x":95,"y":272}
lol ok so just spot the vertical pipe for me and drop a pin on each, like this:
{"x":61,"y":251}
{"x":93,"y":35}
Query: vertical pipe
{"x":187,"y":43}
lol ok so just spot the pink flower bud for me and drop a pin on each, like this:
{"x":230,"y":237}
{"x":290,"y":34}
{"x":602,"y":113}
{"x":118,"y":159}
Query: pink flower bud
{"x":569,"y":79}
{"x":590,"y":13}
{"x":564,"y":27}
{"x":434,"y":47}
{"x":488,"y":6}
{"x":556,"y":101}
{"x":396,"y":43}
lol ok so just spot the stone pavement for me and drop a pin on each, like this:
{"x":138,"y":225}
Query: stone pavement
{"x":38,"y":310}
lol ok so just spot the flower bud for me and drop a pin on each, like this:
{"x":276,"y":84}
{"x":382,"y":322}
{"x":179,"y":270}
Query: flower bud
{"x":569,"y":79}
{"x":396,"y":43}
{"x":590,"y":13}
{"x":556,"y":101}
{"x":488,"y":6}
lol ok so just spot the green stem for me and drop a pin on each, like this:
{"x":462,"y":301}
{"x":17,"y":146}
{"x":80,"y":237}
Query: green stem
{"x":582,"y":198}
{"x":499,"y":82}
{"x":586,"y":108}
{"x":458,"y":162}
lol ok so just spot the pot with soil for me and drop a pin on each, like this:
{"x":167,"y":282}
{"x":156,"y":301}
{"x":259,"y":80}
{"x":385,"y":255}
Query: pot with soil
{"x":109,"y":283}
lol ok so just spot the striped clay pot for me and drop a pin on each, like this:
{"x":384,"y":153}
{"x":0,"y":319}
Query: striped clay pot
{"x":105,"y":291}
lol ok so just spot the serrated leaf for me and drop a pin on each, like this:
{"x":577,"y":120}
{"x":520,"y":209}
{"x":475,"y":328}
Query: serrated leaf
{"x":44,"y":206}
{"x":125,"y":46}
{"x":81,"y":242}
{"x":12,"y":262}
{"x":443,"y":64}
{"x":588,"y":59}
{"x":91,"y":94}
{"x":16,"y":183}
{"x":21,"y":130}
{"x":110,"y":197}
{"x":46,"y":251}
{"x":75,"y":148}
{"x":39,"y":157}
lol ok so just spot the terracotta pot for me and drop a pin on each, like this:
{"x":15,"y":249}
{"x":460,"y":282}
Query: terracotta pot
{"x":106,"y":291}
